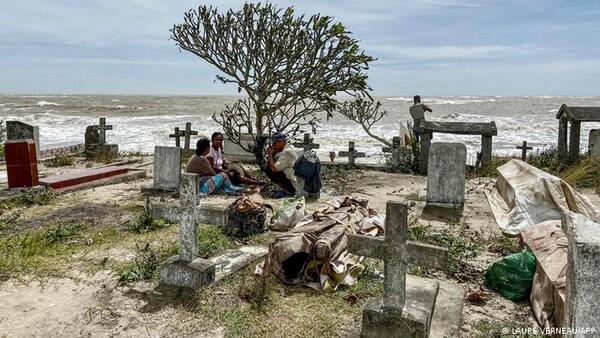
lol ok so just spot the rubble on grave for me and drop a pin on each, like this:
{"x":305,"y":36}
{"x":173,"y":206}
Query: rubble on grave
{"x":314,"y":252}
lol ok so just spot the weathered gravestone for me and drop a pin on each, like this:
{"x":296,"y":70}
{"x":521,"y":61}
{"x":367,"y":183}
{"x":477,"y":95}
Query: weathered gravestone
{"x":187,"y":135}
{"x":446,"y":175}
{"x":16,"y":130}
{"x":307,"y":143}
{"x":167,"y":170}
{"x":187,"y":269}
{"x":95,"y":140}
{"x":582,"y":313}
{"x":21,"y":164}
{"x":594,"y":144}
{"x":352,"y":154}
{"x":402,"y":312}
{"x":395,"y":150}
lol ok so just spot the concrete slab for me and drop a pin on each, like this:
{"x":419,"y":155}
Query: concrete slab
{"x":181,"y":273}
{"x":415,"y":319}
{"x":447,"y":315}
{"x":234,"y":260}
{"x":212,"y":210}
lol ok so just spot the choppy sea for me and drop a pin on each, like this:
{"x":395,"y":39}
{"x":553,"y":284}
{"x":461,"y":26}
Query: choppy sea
{"x":141,"y":122}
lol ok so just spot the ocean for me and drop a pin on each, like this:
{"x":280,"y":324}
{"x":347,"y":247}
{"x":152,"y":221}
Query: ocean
{"x":141,"y":122}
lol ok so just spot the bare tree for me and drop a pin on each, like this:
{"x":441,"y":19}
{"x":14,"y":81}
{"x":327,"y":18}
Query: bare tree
{"x":365,"y":112}
{"x":290,"y":67}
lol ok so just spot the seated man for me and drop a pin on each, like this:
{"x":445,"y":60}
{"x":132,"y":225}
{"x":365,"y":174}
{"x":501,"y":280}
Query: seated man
{"x":281,"y":158}
{"x":236,"y":173}
{"x":210,"y":181}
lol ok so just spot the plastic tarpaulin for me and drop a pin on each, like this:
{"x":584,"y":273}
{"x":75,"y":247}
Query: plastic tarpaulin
{"x":524,"y":195}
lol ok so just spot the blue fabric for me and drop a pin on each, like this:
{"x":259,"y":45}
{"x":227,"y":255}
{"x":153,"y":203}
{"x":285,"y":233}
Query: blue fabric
{"x":219,"y":182}
{"x":309,"y":168}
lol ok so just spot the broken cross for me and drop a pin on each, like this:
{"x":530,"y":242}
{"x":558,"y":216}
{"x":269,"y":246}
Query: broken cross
{"x":394,"y":150}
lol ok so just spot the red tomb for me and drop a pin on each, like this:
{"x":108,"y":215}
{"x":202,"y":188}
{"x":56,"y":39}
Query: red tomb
{"x":21,"y":164}
{"x":81,"y":177}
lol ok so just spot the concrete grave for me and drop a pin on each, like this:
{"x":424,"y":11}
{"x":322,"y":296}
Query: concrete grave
{"x":594,"y":145}
{"x":95,"y":140}
{"x":167,"y":170}
{"x":187,"y":269}
{"x":446,"y":175}
{"x":234,"y":152}
{"x":403,"y":311}
{"x":352,"y":154}
{"x":16,"y":130}
{"x":582,"y":293}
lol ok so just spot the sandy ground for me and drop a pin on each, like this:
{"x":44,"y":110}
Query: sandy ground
{"x":79,"y":303}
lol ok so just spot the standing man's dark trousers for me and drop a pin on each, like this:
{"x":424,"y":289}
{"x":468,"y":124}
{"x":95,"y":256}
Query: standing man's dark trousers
{"x":281,"y":180}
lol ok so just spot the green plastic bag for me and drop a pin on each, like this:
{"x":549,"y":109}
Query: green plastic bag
{"x":512,"y":276}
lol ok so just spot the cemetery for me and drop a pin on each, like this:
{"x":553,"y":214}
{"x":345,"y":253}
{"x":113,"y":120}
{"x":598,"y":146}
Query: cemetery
{"x":95,"y":241}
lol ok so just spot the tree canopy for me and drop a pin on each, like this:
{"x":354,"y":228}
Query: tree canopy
{"x":290,"y":67}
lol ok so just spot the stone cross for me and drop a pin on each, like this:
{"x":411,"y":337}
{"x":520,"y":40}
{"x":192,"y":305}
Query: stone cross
{"x":187,"y":269}
{"x":352,"y":154}
{"x":177,"y":135}
{"x":524,"y":149}
{"x":394,"y":150}
{"x":102,"y":128}
{"x":307,"y":143}
{"x":187,"y":133}
{"x":396,"y":252}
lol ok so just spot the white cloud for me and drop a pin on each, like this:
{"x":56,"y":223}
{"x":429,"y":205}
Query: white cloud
{"x":431,"y":53}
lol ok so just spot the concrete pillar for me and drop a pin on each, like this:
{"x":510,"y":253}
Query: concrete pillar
{"x":562,"y":139}
{"x":574,"y":140}
{"x":486,"y":149}
{"x":424,"y":156}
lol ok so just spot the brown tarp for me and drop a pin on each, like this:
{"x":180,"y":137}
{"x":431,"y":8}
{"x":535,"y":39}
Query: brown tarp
{"x":549,"y":245}
{"x":314,"y":252}
{"x":524,"y":196}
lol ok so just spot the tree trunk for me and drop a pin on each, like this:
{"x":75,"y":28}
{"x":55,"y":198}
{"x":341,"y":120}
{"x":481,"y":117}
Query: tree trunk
{"x":260,"y":139}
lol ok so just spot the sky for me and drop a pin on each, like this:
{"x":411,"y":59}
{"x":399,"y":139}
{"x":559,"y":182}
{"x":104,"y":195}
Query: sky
{"x":430,"y":47}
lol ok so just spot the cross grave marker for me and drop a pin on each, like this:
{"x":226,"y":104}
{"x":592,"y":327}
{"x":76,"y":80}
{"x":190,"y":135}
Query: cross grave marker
{"x":102,"y":128}
{"x":352,"y":154}
{"x":524,"y":149}
{"x":396,"y":252}
{"x":307,"y":143}
{"x":187,"y":269}
{"x":187,"y":134}
{"x":177,"y":135}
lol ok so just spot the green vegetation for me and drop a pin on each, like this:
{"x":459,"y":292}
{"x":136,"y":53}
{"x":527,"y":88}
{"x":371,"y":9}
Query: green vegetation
{"x":2,"y":137}
{"x":212,"y":242}
{"x":144,"y":221}
{"x":461,"y":243}
{"x":145,"y":266}
{"x":60,"y":161}
{"x":29,"y":197}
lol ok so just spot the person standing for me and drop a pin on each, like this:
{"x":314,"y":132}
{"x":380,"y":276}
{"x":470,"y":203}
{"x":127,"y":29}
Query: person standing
{"x":417,"y":112}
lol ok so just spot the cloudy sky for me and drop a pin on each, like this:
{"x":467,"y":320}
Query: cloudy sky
{"x":433,"y":47}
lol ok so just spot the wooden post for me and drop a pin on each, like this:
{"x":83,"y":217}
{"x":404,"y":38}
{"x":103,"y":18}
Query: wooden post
{"x":574,"y":140}
{"x":486,"y":149}
{"x":562,"y":139}
{"x":424,"y":157}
